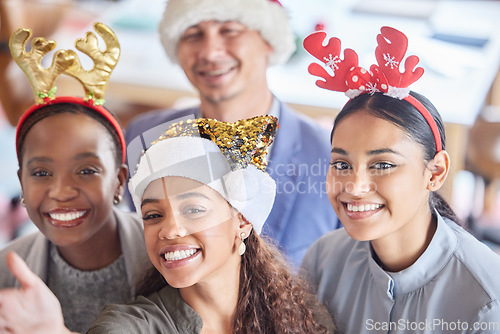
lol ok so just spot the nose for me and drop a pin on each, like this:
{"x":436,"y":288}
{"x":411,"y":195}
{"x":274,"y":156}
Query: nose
{"x":212,"y":46}
{"x":360,"y":184}
{"x":169,"y":229}
{"x":62,"y":188}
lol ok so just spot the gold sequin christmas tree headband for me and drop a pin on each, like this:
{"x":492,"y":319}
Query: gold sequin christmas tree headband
{"x":243,"y":142}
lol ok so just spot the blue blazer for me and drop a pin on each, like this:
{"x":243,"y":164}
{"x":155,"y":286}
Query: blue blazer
{"x":299,"y":162}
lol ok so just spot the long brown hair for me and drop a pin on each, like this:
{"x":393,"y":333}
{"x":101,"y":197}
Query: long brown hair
{"x":271,"y":298}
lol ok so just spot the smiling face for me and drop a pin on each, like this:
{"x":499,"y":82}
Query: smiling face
{"x":191,"y":231}
{"x":377,"y":181}
{"x":224,"y":60}
{"x":69,"y":178}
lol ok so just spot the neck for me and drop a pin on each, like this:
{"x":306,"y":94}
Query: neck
{"x":215,"y":299}
{"x":99,"y":251}
{"x":235,"y":109}
{"x":396,"y":253}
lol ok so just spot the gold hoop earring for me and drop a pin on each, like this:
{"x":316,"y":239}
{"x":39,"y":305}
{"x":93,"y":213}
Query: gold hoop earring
{"x":242,"y":248}
{"x":21,"y":202}
{"x":117,"y":199}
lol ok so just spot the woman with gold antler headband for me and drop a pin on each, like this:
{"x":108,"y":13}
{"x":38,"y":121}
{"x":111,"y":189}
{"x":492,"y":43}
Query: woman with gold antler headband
{"x":402,"y":263}
{"x":204,"y":196}
{"x":71,"y":155}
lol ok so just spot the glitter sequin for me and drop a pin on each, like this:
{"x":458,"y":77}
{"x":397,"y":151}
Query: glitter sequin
{"x":242,"y":143}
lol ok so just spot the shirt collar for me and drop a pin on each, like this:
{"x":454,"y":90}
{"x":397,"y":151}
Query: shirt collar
{"x":427,"y":266}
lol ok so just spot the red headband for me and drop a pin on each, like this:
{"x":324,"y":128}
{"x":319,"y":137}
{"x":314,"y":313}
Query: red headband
{"x":75,"y":100}
{"x":385,"y":77}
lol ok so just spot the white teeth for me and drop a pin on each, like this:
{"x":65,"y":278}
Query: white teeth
{"x":218,"y":72}
{"x":179,"y":255}
{"x":362,"y":208}
{"x":66,"y":216}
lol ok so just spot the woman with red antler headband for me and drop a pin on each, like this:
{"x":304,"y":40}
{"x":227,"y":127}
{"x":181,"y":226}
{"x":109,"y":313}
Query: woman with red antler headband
{"x":402,"y":263}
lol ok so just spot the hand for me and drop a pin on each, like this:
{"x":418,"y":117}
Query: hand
{"x":32,"y":308}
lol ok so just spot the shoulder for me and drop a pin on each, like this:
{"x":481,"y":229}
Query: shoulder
{"x":477,"y":260}
{"x":24,"y":247}
{"x":130,"y":227}
{"x":155,"y":313}
{"x":127,"y":218}
{"x":330,"y":251}
{"x":333,"y":242}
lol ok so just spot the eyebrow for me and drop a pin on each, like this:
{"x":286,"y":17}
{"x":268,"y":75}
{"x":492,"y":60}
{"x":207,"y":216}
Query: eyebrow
{"x":339,"y":151}
{"x":38,"y":159}
{"x":178,"y":197}
{"x":149,"y":200}
{"x":372,"y":152}
{"x":80,"y":156}
{"x":382,"y":151}
{"x":85,"y":155}
{"x":191,"y":194}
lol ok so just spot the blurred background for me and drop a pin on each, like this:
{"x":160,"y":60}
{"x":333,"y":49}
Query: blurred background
{"x":457,"y":41}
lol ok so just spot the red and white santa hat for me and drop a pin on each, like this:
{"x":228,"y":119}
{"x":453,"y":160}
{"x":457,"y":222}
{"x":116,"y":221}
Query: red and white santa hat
{"x":266,"y":16}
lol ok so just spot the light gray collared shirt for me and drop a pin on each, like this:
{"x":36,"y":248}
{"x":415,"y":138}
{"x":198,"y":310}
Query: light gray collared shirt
{"x":454,"y":286}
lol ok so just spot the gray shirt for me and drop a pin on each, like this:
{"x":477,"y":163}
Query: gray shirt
{"x":82,"y":294}
{"x":162,"y":312}
{"x":454,"y":287}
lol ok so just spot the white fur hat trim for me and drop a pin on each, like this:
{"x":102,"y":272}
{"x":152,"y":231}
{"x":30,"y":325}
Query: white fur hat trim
{"x":266,"y":16}
{"x":250,"y":191}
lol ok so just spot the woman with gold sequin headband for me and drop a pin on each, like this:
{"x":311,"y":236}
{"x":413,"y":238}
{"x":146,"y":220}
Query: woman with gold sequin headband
{"x":204,"y":194}
{"x":42,"y":80}
{"x":230,"y":158}
{"x":385,"y":77}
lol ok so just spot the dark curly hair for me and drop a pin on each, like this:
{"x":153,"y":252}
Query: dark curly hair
{"x":271,"y":299}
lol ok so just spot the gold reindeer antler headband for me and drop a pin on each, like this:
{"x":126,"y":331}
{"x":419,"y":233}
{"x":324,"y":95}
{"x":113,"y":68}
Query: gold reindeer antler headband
{"x":66,"y":62}
{"x":94,"y":81}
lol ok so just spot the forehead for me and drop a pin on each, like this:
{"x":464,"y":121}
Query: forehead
{"x":362,"y":130}
{"x":175,"y":185}
{"x":67,"y":132}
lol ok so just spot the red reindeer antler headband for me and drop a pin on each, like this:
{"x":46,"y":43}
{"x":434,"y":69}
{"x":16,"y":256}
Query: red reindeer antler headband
{"x":385,"y":77}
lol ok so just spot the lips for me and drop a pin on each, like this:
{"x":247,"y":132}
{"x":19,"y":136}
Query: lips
{"x":216,"y":72}
{"x":178,"y":256}
{"x":67,"y":218}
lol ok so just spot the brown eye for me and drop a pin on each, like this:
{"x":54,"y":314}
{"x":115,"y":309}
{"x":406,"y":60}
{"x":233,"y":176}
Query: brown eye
{"x":340,"y":165}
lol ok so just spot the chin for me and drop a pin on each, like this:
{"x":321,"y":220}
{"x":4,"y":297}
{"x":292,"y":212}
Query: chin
{"x":179,"y":283}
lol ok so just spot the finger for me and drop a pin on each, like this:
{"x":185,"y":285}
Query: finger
{"x":20,"y":270}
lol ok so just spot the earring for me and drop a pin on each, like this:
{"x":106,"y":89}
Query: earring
{"x":432,"y":184}
{"x":117,"y":199}
{"x":21,"y":202}
{"x":242,"y":248}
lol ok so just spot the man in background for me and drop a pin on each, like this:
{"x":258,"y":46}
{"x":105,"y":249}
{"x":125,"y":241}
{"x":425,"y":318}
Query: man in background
{"x":225,"y":48}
